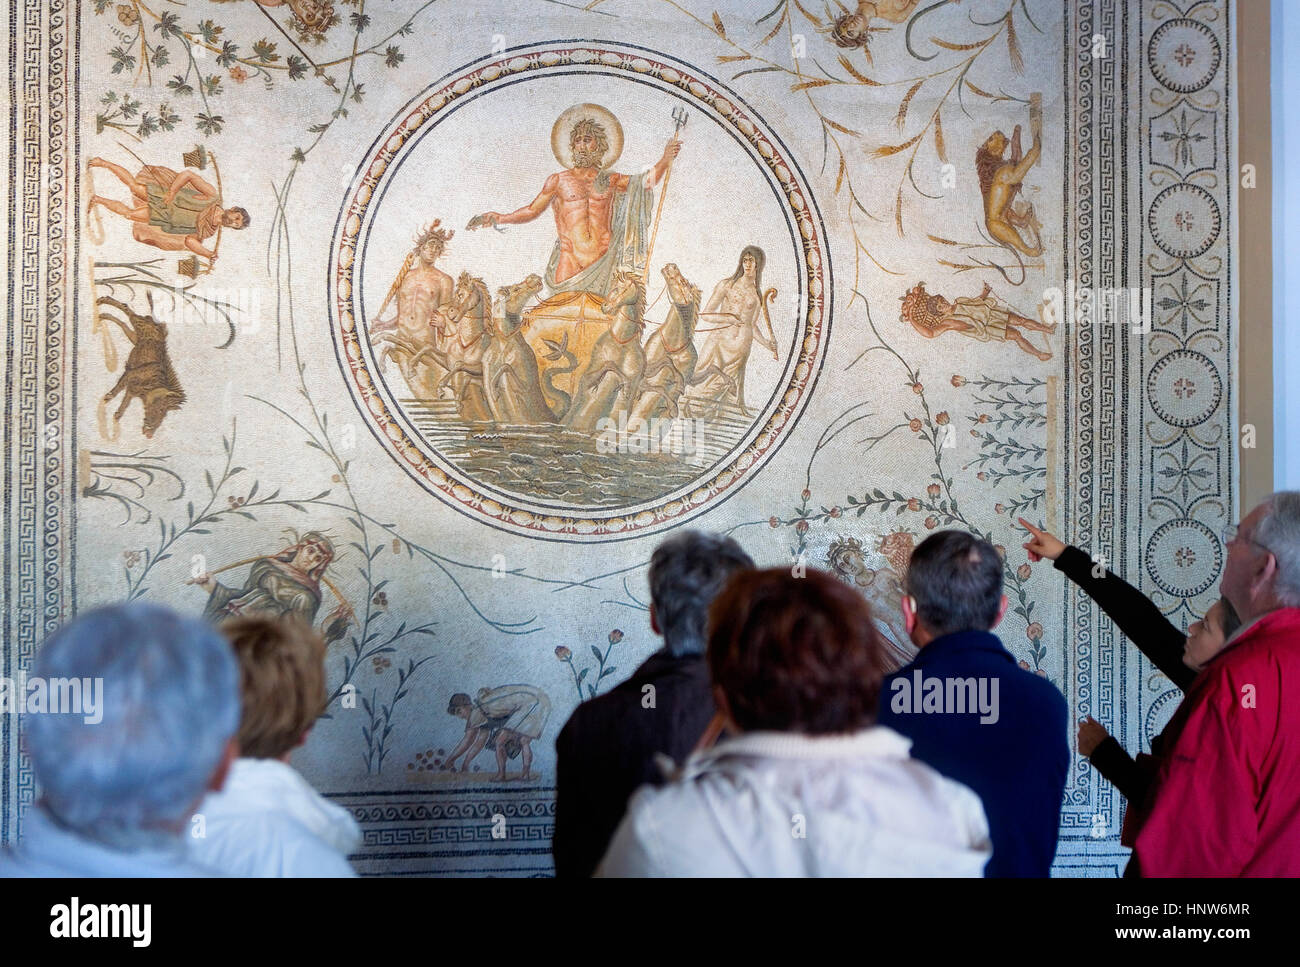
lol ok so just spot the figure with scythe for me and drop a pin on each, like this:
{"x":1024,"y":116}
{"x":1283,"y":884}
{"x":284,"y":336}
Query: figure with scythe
{"x":284,"y":584}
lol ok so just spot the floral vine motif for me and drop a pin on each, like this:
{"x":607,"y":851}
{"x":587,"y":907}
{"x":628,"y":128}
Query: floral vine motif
{"x":603,"y":669}
{"x":850,"y":32}
{"x":206,"y":56}
{"x":938,"y":503}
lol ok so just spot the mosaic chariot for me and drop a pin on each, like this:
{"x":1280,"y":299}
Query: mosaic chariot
{"x":573,"y":402}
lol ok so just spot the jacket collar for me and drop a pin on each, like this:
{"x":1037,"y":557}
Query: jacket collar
{"x":255,"y":786}
{"x":961,"y":641}
{"x":1270,"y":622}
{"x":44,"y":841}
{"x":877,"y":741}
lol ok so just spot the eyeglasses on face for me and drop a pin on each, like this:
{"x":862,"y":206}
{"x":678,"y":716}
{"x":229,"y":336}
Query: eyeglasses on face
{"x":1232,"y":532}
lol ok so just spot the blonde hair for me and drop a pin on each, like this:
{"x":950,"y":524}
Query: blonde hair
{"x":282,"y":682}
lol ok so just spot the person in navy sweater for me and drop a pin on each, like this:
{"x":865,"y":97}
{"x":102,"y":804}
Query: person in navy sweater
{"x":971,"y":712}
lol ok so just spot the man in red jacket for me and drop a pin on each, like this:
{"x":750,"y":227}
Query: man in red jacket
{"x":1226,"y":801}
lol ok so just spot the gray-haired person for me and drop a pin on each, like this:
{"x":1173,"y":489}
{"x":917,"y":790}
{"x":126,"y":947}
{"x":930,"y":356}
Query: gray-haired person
{"x":1227,"y":800}
{"x":609,"y":746}
{"x":119,"y":783}
{"x":970,"y":711}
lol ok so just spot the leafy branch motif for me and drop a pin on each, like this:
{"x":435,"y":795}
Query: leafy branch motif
{"x":147,"y":275}
{"x":1002,"y":456}
{"x":155,"y":39}
{"x":125,"y":478}
{"x":199,"y":521}
{"x":934,"y":431}
{"x":808,"y":81}
{"x":380,"y":726}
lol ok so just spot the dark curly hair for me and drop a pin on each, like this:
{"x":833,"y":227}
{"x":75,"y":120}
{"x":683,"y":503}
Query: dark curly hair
{"x":795,"y":654}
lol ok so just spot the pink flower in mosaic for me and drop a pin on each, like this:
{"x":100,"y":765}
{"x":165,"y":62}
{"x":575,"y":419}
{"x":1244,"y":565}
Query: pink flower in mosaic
{"x":941,"y":418}
{"x":914,"y":425}
{"x":931,"y":523}
{"x":562,"y":653}
{"x":934,"y":490}
{"x":1034,"y":632}
{"x":958,"y":380}
{"x":913,"y":504}
{"x":1024,"y":571}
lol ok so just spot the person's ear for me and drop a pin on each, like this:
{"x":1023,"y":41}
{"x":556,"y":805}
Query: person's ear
{"x":1002,"y":612}
{"x":654,"y":622}
{"x":228,"y":756}
{"x":1266,"y":573}
{"x":909,"y":613}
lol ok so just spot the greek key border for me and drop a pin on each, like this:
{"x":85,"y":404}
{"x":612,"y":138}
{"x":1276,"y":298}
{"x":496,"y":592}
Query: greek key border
{"x":40,"y":394}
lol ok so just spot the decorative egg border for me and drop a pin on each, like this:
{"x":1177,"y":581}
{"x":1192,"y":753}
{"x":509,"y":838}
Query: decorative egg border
{"x":618,"y":524}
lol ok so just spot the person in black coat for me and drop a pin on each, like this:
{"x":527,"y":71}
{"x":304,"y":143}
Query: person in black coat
{"x":1180,"y":656}
{"x":971,"y":712}
{"x":611,"y":744}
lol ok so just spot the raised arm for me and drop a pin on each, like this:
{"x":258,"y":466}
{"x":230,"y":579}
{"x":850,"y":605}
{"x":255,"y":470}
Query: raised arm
{"x":661,"y":166}
{"x":1018,"y":173}
{"x":520,"y":215}
{"x":1139,"y":618}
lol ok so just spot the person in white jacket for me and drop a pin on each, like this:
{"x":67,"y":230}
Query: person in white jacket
{"x":808,"y":784}
{"x":268,"y":821}
{"x":151,"y":728}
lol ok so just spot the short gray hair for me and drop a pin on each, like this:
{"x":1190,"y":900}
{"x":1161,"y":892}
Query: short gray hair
{"x":956,"y":581}
{"x":686,"y":573}
{"x":1279,"y":531}
{"x":170,"y":703}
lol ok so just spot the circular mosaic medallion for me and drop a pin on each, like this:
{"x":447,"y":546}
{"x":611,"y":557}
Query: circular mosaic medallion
{"x":621,"y":332}
{"x":1184,"y":388}
{"x":1184,"y":55}
{"x":1160,"y":712}
{"x":1184,"y":220}
{"x":1183,"y":557}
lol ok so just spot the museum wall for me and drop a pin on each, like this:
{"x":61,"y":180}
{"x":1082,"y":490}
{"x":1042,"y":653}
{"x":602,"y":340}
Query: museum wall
{"x":426,"y":322}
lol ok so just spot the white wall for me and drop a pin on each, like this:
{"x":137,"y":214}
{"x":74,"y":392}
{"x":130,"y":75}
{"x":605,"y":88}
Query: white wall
{"x":1285,"y":66}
